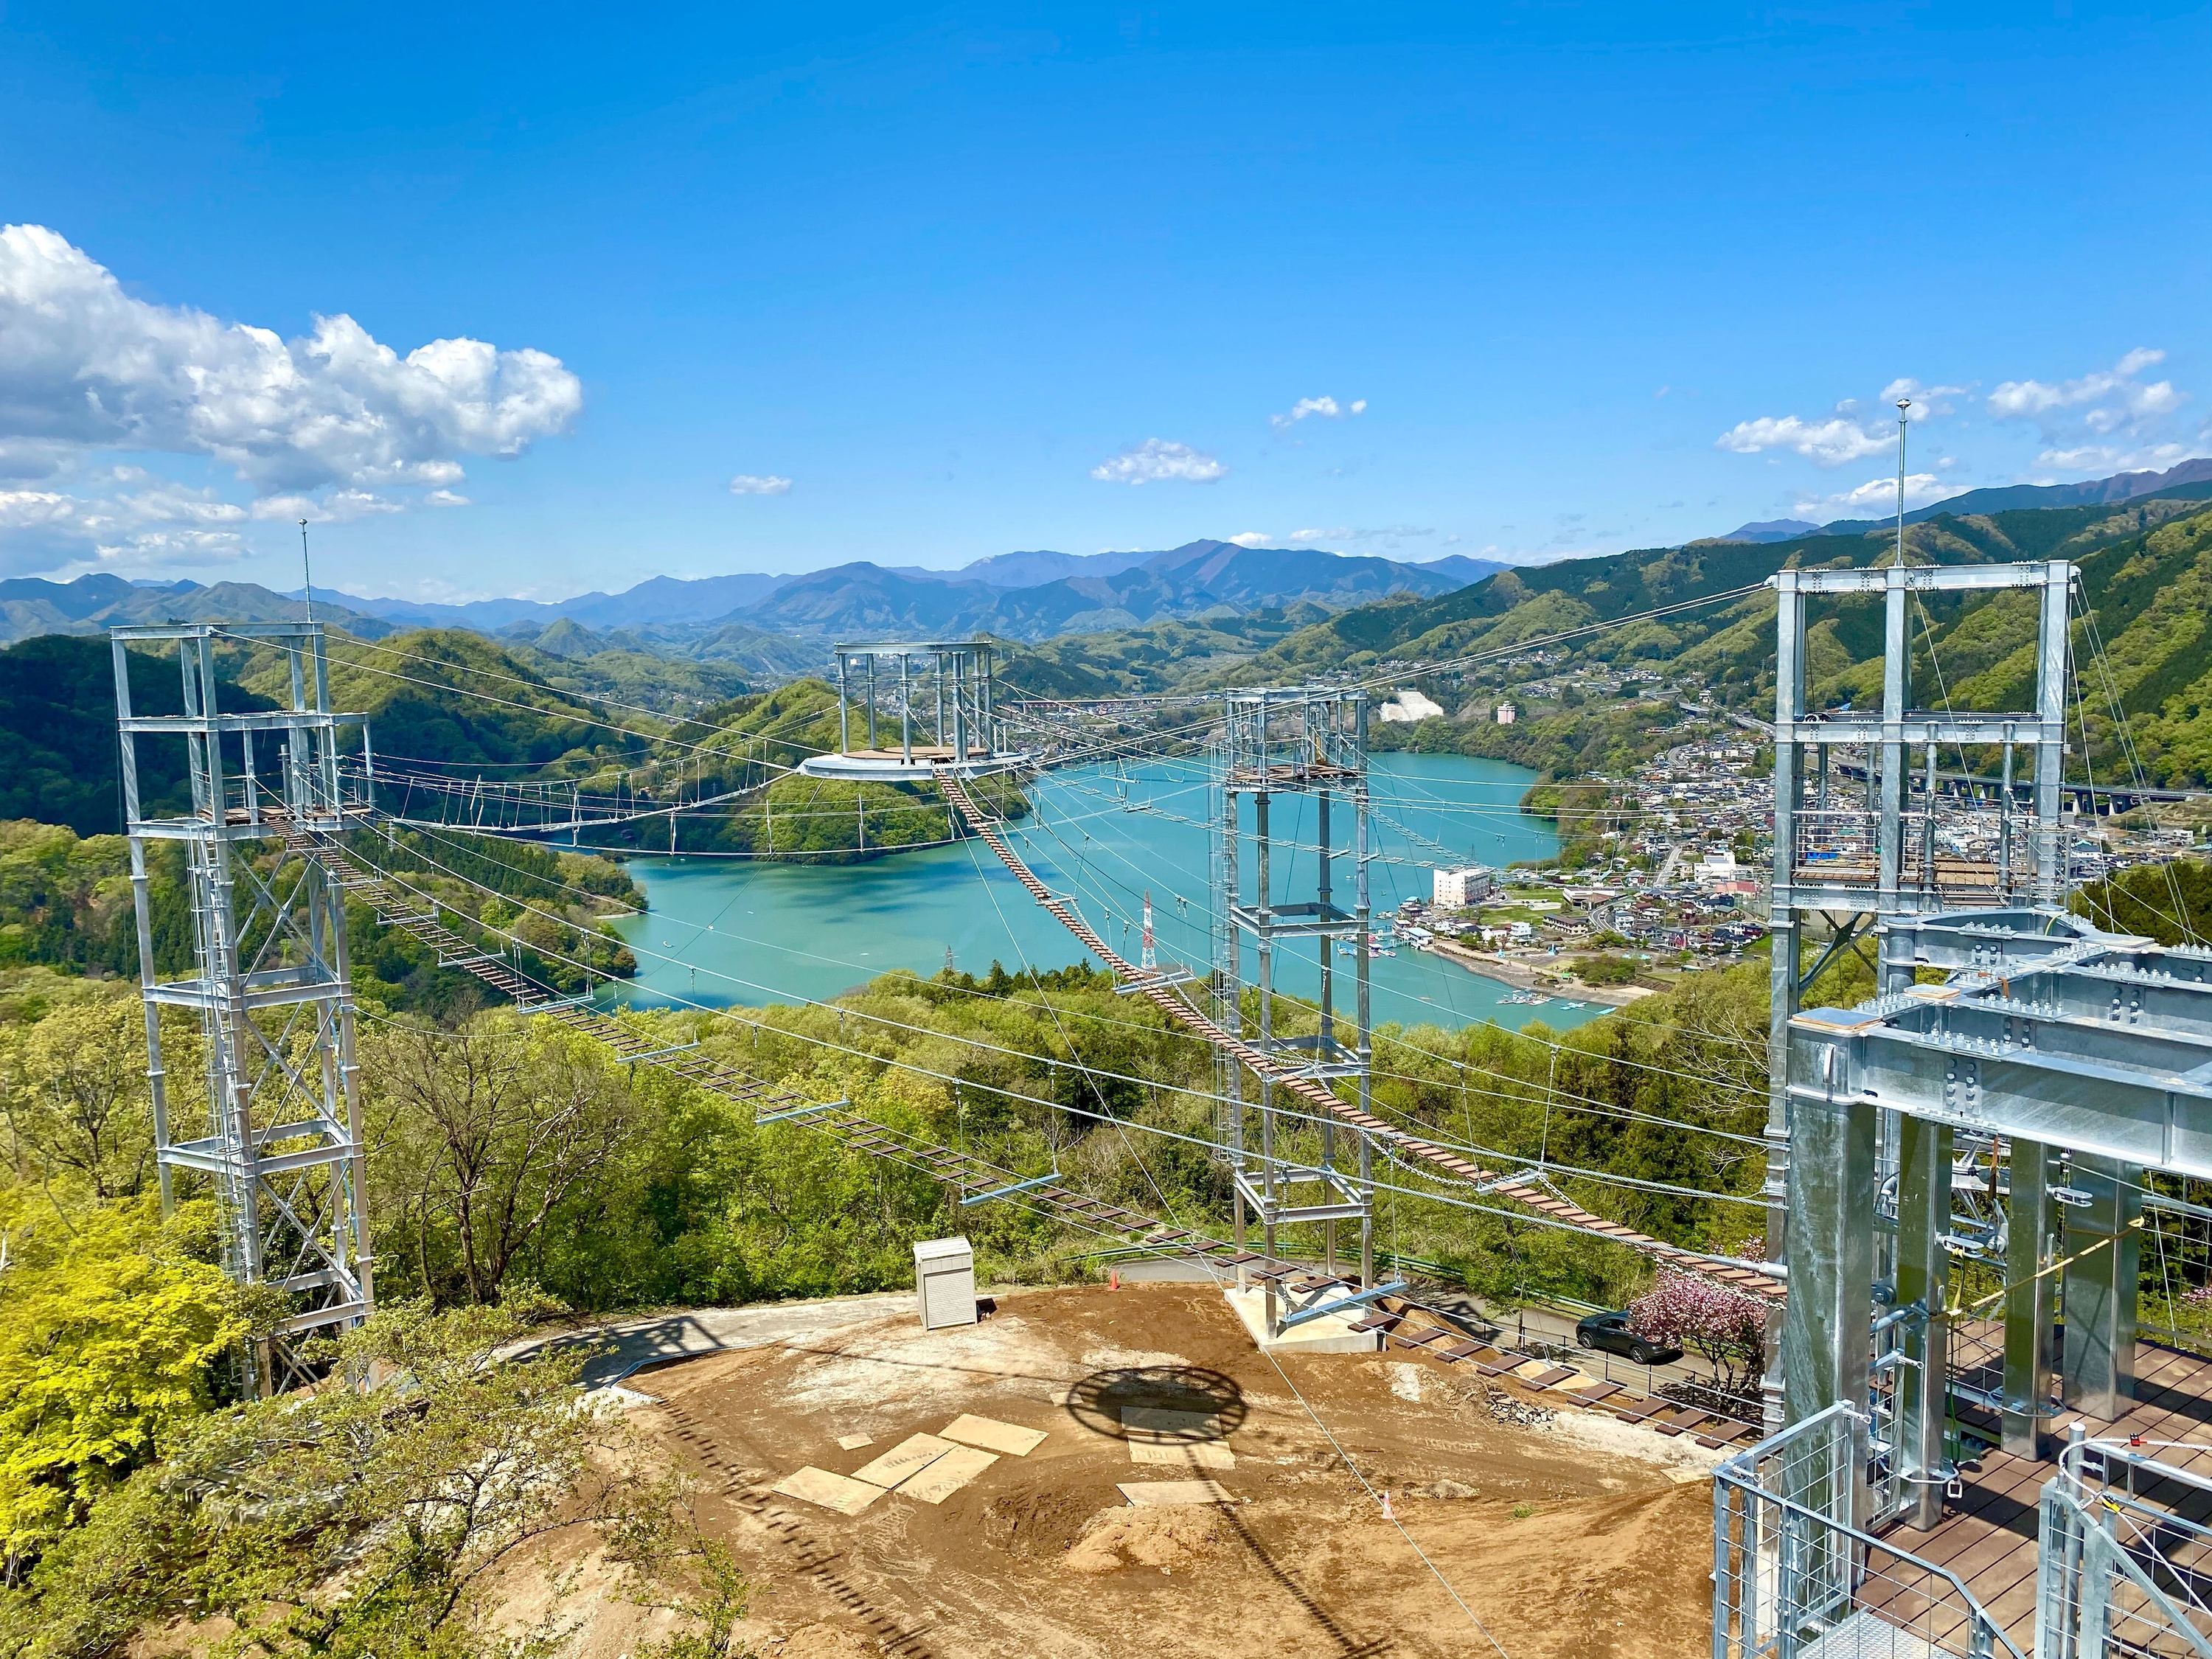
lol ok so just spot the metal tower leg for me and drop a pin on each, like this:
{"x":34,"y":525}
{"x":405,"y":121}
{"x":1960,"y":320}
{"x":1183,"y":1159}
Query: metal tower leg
{"x":1923,"y":1223}
{"x":2104,"y":1248}
{"x":2030,"y":1295}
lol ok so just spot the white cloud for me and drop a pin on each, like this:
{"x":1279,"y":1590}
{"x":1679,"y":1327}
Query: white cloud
{"x":1308,"y":538}
{"x":759,"y":483}
{"x":1875,"y":498}
{"x":1928,"y":401}
{"x":2110,"y":458}
{"x":1251,"y":539}
{"x":2113,"y":397}
{"x":339,"y":507}
{"x":1327,"y":408}
{"x":1159,"y":460}
{"x":47,"y":530}
{"x":86,"y":366}
{"x":320,"y":426}
{"x":1827,"y":443}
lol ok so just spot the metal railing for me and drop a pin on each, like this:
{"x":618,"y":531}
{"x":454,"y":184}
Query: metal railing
{"x":1793,"y":1576}
{"x":2121,"y":1570}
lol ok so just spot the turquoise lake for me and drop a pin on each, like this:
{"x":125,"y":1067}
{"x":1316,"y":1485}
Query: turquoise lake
{"x":720,"y":932}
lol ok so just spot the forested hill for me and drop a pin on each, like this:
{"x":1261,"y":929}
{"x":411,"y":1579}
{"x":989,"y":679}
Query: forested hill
{"x":441,"y":696}
{"x":2146,"y":573}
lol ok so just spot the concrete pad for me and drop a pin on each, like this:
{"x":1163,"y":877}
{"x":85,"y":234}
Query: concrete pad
{"x":1160,"y":1494}
{"x":941,"y":1479}
{"x":854,"y":1441}
{"x":1189,"y":1439}
{"x":1330,"y":1333}
{"x":992,"y":1435}
{"x":832,"y":1491}
{"x":903,"y":1462}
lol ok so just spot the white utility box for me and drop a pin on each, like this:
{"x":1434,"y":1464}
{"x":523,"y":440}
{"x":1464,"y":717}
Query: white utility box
{"x":944,"y":1282}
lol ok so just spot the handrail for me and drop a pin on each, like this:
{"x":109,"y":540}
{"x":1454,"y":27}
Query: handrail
{"x":1740,"y":1474}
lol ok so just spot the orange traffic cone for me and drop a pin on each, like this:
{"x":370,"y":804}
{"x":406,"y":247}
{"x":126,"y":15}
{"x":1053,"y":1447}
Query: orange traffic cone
{"x":1113,"y":1278}
{"x":1388,"y":1514}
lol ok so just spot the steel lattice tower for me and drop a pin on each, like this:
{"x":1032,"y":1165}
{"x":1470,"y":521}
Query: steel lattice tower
{"x":1311,"y":743}
{"x":280,"y":1138}
{"x":1872,"y":854}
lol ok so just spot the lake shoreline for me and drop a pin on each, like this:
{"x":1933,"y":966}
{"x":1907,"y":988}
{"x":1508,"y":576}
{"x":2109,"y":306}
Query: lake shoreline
{"x":743,"y":932}
{"x":1506,"y":971}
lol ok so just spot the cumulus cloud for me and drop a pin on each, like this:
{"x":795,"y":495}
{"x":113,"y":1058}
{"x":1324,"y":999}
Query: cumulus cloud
{"x":1309,"y":537}
{"x":42,"y":529}
{"x":1928,"y":401}
{"x":759,"y":483}
{"x":1251,"y":539}
{"x":86,"y":366}
{"x":317,"y":426}
{"x":1327,"y":408}
{"x":2109,"y":401}
{"x":2111,"y":457}
{"x":1833,"y":443}
{"x":1875,"y":498}
{"x":1159,"y":460}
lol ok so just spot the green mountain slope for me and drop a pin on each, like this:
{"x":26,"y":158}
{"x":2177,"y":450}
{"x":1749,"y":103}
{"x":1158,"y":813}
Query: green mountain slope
{"x":2142,"y":641}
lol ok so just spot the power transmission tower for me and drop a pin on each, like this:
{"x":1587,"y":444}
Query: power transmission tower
{"x":279,"y":1136}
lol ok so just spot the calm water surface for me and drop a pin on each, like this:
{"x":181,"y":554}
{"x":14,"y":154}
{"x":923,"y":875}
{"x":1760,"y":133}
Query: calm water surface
{"x":725,"y":930}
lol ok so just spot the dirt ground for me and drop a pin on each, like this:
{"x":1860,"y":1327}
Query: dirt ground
{"x":1576,"y":1536}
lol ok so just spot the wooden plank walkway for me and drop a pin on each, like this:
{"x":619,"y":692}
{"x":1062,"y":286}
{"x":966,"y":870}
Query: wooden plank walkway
{"x":1988,"y":1534}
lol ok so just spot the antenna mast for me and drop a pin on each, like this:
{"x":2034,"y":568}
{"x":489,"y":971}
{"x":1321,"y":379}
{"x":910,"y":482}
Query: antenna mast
{"x":1903,"y":404}
{"x":307,"y":576}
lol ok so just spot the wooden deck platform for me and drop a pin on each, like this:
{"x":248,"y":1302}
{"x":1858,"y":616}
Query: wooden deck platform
{"x":1987,"y":1535}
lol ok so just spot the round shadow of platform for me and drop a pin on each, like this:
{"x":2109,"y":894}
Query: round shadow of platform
{"x":1098,"y":1400}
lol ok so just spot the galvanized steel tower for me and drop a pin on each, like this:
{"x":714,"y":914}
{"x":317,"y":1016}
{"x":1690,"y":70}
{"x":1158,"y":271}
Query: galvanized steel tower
{"x":1309,"y":743}
{"x":278,"y":1137}
{"x":1868,"y":839}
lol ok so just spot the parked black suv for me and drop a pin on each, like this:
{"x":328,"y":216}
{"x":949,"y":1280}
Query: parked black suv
{"x":1609,"y":1333}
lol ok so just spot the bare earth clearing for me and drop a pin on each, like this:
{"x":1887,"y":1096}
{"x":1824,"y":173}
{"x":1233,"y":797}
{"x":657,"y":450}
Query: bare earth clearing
{"x":1042,"y":1555}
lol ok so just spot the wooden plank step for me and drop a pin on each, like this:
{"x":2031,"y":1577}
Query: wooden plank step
{"x":1595,"y":1392}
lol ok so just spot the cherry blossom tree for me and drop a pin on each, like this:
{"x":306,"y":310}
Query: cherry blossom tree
{"x":1725,"y":1328}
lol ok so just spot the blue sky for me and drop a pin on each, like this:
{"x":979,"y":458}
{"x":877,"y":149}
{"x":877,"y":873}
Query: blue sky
{"x":947,"y":283}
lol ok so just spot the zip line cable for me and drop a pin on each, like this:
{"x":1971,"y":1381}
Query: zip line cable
{"x":954,"y":1079}
{"x":1047,"y":1060}
{"x":1585,"y":1104}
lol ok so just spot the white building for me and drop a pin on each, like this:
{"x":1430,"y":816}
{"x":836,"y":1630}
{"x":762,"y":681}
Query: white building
{"x":1503,"y":714}
{"x":1455,"y":889}
{"x":1716,"y":864}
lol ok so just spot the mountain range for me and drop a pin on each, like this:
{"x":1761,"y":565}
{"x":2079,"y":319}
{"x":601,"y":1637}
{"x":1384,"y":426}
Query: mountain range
{"x":2004,"y":498}
{"x":1026,"y":595}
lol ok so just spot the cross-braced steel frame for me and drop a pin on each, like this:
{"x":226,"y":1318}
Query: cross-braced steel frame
{"x":1309,"y":743}
{"x":279,"y":1137}
{"x":1869,"y":855}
